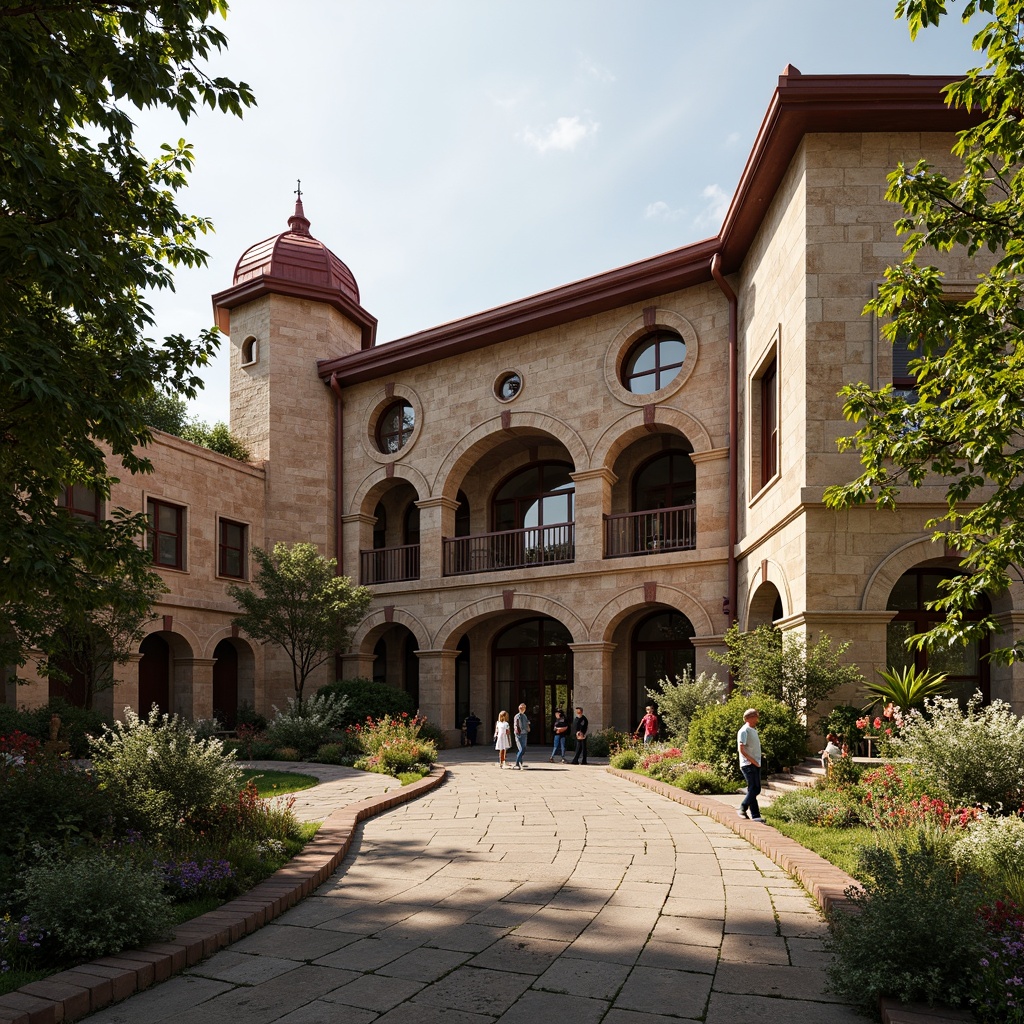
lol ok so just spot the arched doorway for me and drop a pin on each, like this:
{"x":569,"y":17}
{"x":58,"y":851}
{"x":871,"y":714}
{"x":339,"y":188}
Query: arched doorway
{"x":154,"y":675}
{"x":662,"y":647}
{"x":966,"y":667}
{"x":225,"y":684}
{"x":533,"y":666}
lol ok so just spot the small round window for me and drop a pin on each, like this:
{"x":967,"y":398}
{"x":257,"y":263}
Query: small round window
{"x":395,"y":427}
{"x":653,"y":362}
{"x":509,"y":385}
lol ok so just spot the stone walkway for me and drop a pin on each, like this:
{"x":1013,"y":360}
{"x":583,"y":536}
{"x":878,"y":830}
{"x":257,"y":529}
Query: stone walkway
{"x":554,"y":894}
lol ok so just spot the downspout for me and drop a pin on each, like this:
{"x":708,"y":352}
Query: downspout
{"x":339,"y":479}
{"x":733,"y":589}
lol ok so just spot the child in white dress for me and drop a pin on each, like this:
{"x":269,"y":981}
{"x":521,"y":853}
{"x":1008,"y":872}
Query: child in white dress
{"x":502,"y":739}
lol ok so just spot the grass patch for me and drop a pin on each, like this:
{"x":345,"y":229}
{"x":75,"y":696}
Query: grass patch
{"x":406,"y":777}
{"x":270,"y":783}
{"x":182,"y":912}
{"x":839,"y":846}
{"x":11,"y":980}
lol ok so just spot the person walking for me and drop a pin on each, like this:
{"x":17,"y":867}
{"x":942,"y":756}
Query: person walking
{"x":472,"y":725}
{"x":648,"y":726}
{"x":559,"y":729}
{"x":580,"y":727}
{"x":502,"y":741}
{"x":522,"y":729}
{"x":748,"y":744}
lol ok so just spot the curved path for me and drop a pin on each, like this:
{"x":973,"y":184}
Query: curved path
{"x":553,"y":894}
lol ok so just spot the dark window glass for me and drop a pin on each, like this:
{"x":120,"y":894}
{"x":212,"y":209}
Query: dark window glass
{"x":510,"y":386}
{"x":539,"y":495}
{"x":81,"y":502}
{"x":462,"y":519}
{"x":412,"y":524}
{"x":653,"y":362}
{"x":662,"y":647}
{"x":769,"y":422}
{"x":380,"y":527}
{"x":395,"y":427}
{"x":668,"y":480}
{"x":166,"y":534}
{"x":232,"y":549}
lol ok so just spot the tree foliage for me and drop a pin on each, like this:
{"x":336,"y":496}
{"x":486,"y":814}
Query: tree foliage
{"x":965,"y":425}
{"x":786,"y":666}
{"x":302,"y":606}
{"x":88,"y":224}
{"x":167,"y":412}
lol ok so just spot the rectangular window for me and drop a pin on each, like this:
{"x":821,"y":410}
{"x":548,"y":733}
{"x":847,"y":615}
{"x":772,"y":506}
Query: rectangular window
{"x":166,"y":534}
{"x":769,"y":423}
{"x":232,"y":552}
{"x":82,"y":502}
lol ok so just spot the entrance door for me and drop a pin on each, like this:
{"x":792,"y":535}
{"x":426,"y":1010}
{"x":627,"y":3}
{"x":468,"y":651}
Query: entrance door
{"x":154,"y":674}
{"x":225,"y":684}
{"x":533,"y":666}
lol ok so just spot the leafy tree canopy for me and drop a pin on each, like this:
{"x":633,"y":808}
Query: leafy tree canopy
{"x":87,"y":225}
{"x":298,"y":603}
{"x":964,"y":425}
{"x":786,"y":666}
{"x":169,"y":413}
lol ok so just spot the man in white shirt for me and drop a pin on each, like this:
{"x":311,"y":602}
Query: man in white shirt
{"x":748,"y":743}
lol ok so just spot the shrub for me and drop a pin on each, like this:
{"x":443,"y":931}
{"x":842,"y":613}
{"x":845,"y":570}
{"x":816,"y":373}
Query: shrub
{"x":916,"y":929}
{"x":160,"y":776}
{"x":95,"y":902}
{"x":626,"y":759}
{"x":188,"y":879}
{"x":433,"y":733}
{"x":367,"y":699}
{"x":998,"y":976}
{"x":76,"y":724}
{"x":307,"y":725}
{"x":678,"y":701}
{"x":247,"y":715}
{"x":814,"y":807}
{"x":393,"y":745}
{"x":842,"y":772}
{"x":994,"y":848}
{"x":698,"y":780}
{"x":20,"y":942}
{"x":601,"y":744}
{"x":343,"y":752}
{"x":286,"y":754}
{"x":842,"y":720}
{"x":713,"y":734}
{"x":976,"y":757}
{"x":206,"y":728}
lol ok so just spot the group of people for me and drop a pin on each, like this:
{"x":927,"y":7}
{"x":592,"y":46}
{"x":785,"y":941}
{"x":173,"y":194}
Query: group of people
{"x":519,"y":729}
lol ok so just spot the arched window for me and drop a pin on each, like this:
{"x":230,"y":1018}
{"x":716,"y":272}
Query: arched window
{"x":653,"y":362}
{"x":541,"y":494}
{"x":395,"y":427}
{"x":662,"y":647}
{"x":666,"y":481}
{"x":250,"y":351}
{"x":966,"y":667}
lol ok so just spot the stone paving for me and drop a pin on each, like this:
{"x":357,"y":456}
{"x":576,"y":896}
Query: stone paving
{"x":558,"y":893}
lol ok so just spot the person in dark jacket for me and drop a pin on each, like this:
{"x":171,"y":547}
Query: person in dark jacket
{"x":559,"y":729}
{"x":472,"y":724}
{"x":580,"y":727}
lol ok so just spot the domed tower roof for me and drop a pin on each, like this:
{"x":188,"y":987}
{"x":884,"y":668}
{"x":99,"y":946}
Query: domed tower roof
{"x":294,"y":263}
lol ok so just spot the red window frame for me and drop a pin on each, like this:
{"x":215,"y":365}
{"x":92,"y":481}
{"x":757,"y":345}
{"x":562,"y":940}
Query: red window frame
{"x":81,"y":502}
{"x":662,"y":373}
{"x":395,"y":427}
{"x":769,"y":422}
{"x":228,"y":545}
{"x":161,"y":539}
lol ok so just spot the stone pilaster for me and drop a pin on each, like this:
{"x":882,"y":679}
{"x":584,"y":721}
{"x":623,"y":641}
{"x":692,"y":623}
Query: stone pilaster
{"x":593,"y":502}
{"x":592,"y":681}
{"x":437,"y":689}
{"x":437,"y":520}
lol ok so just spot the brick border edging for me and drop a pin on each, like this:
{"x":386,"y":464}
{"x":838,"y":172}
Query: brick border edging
{"x":88,"y":987}
{"x":824,"y":881}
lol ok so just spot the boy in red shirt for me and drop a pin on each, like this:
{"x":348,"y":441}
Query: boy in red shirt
{"x":649,"y":725}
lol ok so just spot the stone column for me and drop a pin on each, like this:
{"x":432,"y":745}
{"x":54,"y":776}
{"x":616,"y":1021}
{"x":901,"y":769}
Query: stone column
{"x":192,"y":687}
{"x":593,"y":502}
{"x":437,"y":690}
{"x":702,"y":661}
{"x":592,"y":681}
{"x":437,"y":520}
{"x":355,"y":665}
{"x":357,"y":533}
{"x":1007,"y":681}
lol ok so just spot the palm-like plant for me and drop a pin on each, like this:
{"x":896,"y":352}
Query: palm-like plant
{"x":908,"y":688}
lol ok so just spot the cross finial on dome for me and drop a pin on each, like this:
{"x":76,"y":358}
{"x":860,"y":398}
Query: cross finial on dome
{"x":297,"y":222}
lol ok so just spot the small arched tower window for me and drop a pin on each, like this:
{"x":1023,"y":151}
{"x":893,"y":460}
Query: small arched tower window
{"x":250,"y":351}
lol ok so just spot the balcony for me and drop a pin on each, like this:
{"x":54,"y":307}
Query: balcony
{"x":650,"y":532}
{"x":389,"y":565}
{"x":510,"y":549}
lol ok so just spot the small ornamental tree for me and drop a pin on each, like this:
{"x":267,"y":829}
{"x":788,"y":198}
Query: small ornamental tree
{"x":299,"y":603}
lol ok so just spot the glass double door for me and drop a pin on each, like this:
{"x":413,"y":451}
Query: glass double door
{"x":533,"y":666}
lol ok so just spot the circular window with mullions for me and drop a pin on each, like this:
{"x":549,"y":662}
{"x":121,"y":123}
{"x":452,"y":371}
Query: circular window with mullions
{"x":653,"y":362}
{"x":395,"y":427}
{"x":508,"y":385}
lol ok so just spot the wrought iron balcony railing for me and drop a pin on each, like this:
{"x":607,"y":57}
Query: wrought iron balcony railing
{"x":510,"y":549}
{"x":389,"y":565}
{"x":651,"y":532}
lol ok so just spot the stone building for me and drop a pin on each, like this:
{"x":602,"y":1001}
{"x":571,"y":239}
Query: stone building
{"x":561,"y":499}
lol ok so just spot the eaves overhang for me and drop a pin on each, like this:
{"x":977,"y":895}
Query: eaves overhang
{"x":801,"y":105}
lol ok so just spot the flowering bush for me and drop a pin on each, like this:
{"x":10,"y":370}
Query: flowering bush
{"x":393,"y":745}
{"x":680,"y":699}
{"x":19,"y":943}
{"x":307,"y":725}
{"x":814,"y":807}
{"x":974,"y":756}
{"x":994,"y":848}
{"x":999,"y":981}
{"x":186,"y":879}
{"x":896,"y":799}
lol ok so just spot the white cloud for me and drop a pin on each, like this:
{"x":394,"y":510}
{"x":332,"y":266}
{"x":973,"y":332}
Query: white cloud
{"x":732,"y":138}
{"x":595,"y":70}
{"x":716,"y":202}
{"x":660,"y":210}
{"x":565,"y":134}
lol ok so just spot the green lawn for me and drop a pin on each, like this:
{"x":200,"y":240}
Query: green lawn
{"x":839,"y":846}
{"x":272,"y":783}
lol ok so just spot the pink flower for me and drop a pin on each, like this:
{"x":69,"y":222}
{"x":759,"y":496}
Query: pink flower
{"x":878,"y":723}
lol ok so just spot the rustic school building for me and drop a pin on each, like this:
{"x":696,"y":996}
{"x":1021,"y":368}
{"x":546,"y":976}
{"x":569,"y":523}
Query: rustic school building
{"x":564,"y":498}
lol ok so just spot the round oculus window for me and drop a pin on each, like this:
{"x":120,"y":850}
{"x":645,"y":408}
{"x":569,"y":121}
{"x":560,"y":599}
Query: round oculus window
{"x":509,"y":386}
{"x":395,"y":427}
{"x":653,"y":362}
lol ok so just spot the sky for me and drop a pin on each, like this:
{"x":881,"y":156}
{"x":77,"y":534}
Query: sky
{"x":461,"y":154}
